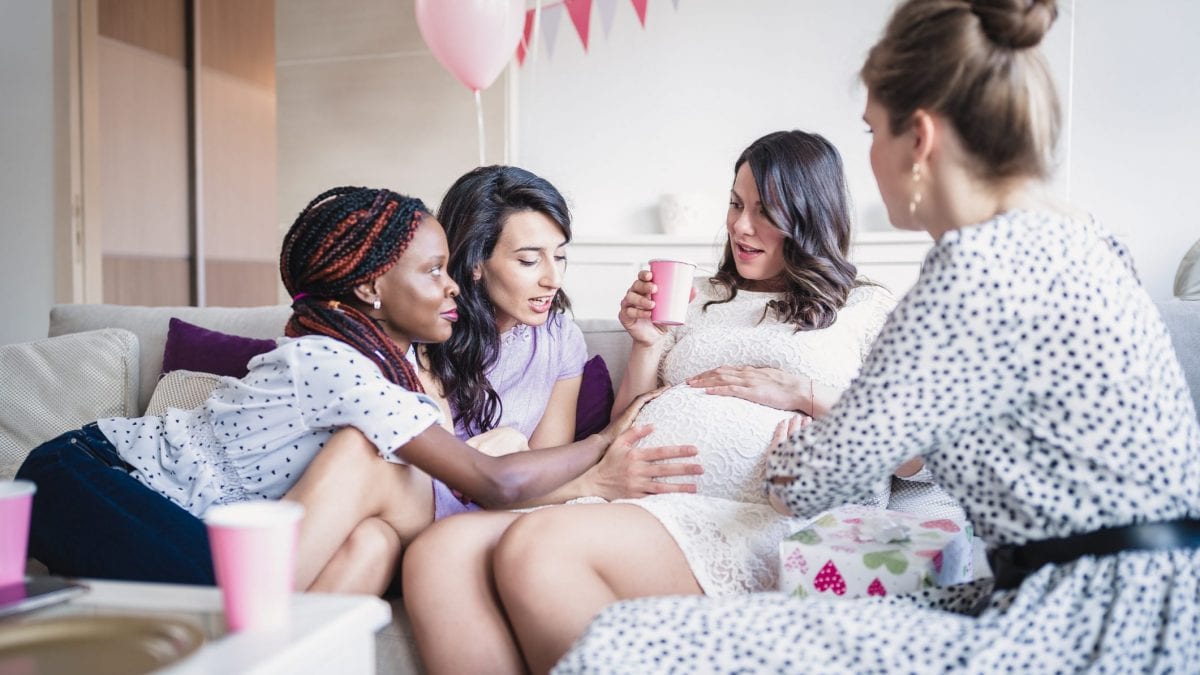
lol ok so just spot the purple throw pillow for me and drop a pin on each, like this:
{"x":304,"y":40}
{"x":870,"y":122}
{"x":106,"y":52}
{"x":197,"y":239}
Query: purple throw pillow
{"x":190,"y":347}
{"x":596,"y":397}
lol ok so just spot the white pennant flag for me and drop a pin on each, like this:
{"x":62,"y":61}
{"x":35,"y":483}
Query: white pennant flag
{"x":608,"y":9}
{"x":551,"y":17}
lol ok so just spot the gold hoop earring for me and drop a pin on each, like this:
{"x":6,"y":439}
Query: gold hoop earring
{"x":916,"y":196}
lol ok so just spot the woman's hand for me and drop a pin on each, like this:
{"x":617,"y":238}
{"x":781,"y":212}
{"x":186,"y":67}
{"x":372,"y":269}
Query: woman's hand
{"x":766,"y":386}
{"x":625,"y":420}
{"x":499,"y":441}
{"x":628,"y":472}
{"x":910,"y":468}
{"x":635,"y":311}
{"x":782,"y":431}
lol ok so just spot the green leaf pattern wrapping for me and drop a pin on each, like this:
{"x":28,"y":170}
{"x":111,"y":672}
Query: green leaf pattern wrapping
{"x":893,"y":559}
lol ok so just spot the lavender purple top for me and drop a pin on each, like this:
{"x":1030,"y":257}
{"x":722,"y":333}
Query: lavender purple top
{"x":532,"y":359}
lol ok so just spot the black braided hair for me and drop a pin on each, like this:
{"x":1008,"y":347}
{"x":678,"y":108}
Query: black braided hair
{"x":345,"y":237}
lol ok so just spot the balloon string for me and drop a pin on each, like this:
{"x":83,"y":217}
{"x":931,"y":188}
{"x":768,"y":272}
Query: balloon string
{"x":479,"y":124}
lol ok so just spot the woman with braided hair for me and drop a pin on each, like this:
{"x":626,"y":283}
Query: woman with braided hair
{"x":312,"y":418}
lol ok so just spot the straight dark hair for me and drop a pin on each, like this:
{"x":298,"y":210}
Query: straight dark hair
{"x":474,"y":212}
{"x":803,"y":191}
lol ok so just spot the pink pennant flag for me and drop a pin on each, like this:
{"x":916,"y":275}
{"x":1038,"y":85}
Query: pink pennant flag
{"x":551,"y":16}
{"x":608,"y":9}
{"x":523,"y":45}
{"x":639,"y":6}
{"x":581,"y":16}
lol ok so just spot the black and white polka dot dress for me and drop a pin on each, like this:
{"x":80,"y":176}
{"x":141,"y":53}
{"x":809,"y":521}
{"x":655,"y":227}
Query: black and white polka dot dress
{"x":253,"y":437}
{"x":1033,"y":372}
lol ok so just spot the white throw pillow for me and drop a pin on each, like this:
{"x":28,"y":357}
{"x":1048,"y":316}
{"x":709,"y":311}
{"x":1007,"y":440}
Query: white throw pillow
{"x":61,"y":383}
{"x":1187,"y":278}
{"x":181,"y":389}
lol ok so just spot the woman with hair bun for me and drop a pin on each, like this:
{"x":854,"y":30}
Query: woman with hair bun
{"x":1027,"y":366}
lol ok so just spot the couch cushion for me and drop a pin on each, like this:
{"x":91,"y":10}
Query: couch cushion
{"x":183,"y":390}
{"x":607,"y":338}
{"x":190,"y":347}
{"x":1187,"y":278}
{"x":1183,"y":321}
{"x":149,"y":324}
{"x":61,"y":383}
{"x":594,"y":408}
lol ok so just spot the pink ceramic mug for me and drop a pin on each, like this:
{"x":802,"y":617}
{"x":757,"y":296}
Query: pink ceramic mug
{"x":16,"y":505}
{"x":254,"y":556}
{"x":674,"y":281}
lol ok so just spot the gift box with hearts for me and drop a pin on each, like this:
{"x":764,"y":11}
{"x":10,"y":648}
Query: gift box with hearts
{"x":857,"y":551}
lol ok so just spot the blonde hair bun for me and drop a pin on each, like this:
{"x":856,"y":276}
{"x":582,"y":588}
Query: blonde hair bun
{"x":1015,"y":24}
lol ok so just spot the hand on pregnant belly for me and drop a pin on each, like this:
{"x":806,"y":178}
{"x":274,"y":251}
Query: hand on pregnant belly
{"x":732,"y":435}
{"x":766,"y":386}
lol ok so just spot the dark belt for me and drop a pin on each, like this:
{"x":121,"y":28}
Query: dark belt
{"x":1012,"y":563}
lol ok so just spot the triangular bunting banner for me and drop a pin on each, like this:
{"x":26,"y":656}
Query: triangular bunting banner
{"x":523,"y":45}
{"x":551,"y":16}
{"x":581,"y":16}
{"x":608,"y":9}
{"x":639,"y":6}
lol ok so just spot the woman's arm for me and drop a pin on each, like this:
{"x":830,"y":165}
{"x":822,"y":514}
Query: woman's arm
{"x":947,"y":363}
{"x":557,"y":426}
{"x":627,"y":471}
{"x":641,"y":374}
{"x":497,"y":482}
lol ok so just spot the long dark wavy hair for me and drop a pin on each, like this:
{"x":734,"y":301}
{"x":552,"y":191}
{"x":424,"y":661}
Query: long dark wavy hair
{"x":345,"y":237}
{"x":803,"y":191}
{"x":474,"y":212}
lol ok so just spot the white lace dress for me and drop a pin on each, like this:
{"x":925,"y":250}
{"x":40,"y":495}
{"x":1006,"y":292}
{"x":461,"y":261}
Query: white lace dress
{"x":727,"y":531}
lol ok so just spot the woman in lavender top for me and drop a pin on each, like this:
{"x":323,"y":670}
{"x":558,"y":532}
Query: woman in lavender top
{"x":510,"y":374}
{"x":515,"y":360}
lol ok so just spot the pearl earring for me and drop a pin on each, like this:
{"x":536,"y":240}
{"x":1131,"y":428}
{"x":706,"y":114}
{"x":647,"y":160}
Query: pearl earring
{"x":377,"y":304}
{"x":916,"y":197}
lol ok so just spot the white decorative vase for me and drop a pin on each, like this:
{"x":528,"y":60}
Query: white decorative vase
{"x":689,"y":214}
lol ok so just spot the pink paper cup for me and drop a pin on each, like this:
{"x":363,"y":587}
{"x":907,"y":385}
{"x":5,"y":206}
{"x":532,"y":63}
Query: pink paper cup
{"x":254,"y":556}
{"x":16,"y":505}
{"x":674,"y":281}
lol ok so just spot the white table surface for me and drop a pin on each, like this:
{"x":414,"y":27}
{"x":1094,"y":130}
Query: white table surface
{"x":326,"y":633}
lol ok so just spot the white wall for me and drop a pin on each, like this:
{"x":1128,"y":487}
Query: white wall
{"x":362,"y":101}
{"x":27,"y":168}
{"x":1136,"y":143}
{"x":669,"y":108}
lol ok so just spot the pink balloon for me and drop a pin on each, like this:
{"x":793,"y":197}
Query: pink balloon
{"x":473,"y":39}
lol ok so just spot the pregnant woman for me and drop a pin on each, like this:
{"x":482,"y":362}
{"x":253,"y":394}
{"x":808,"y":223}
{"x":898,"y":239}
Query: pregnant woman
{"x":785,"y":302}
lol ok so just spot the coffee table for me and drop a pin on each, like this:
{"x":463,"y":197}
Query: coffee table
{"x":326,"y":633}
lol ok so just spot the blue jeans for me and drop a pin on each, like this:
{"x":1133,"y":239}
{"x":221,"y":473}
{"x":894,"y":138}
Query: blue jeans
{"x":92,"y":519}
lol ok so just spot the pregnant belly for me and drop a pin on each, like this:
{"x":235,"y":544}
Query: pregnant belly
{"x":732,"y":435}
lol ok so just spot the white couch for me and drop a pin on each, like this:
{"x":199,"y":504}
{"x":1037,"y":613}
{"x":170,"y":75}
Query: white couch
{"x":104,"y":360}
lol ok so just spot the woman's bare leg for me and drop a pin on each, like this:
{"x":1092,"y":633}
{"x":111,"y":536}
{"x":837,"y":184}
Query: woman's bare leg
{"x":556,"y":569}
{"x":366,"y":563}
{"x":346,"y":484}
{"x":451,"y":597}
